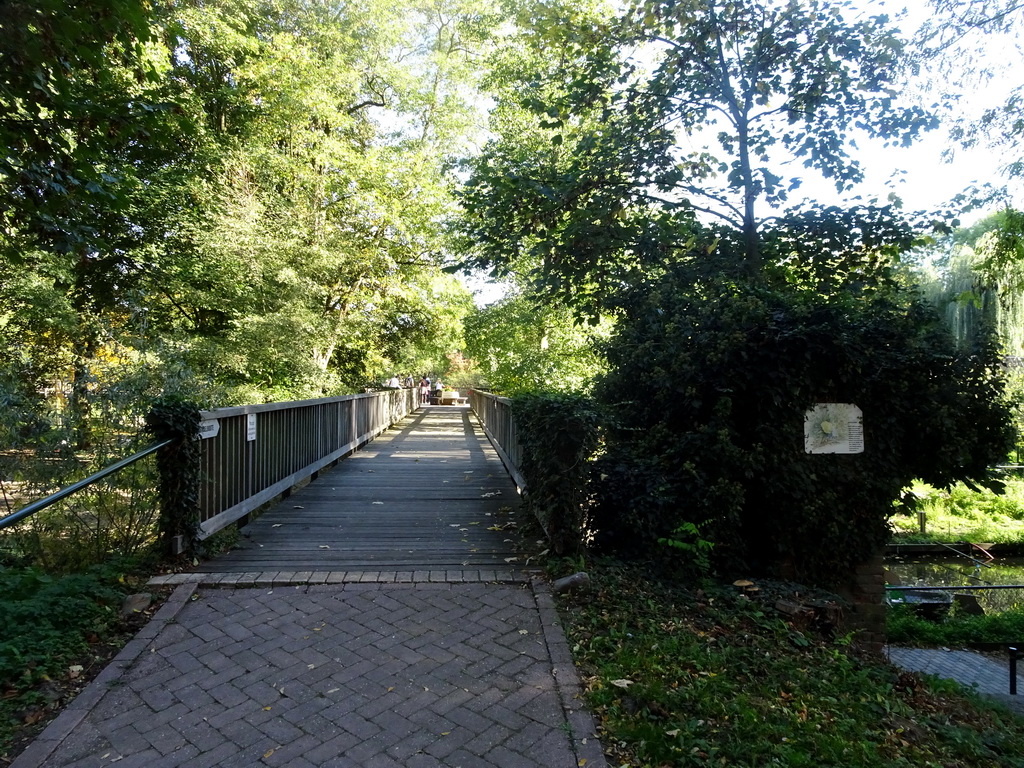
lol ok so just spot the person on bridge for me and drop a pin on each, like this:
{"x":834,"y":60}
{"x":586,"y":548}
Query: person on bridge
{"x":438,"y":390}
{"x":424,"y":389}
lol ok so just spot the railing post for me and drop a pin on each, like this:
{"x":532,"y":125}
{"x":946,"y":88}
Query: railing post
{"x":178,"y":465}
{"x":1013,"y":670}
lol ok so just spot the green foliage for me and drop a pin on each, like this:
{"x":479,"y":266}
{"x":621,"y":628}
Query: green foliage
{"x":81,"y":112}
{"x":684,"y":677}
{"x":251,"y":191}
{"x":961,"y":513}
{"x":558,"y":434}
{"x":116,"y":516}
{"x":522,"y":343}
{"x":687,"y":538}
{"x":905,"y":627}
{"x":711,"y":375}
{"x":588,"y":181}
{"x":48,"y":619}
{"x":961,"y":501}
{"x":967,"y":45}
{"x":177,"y":420}
{"x":54,"y":626}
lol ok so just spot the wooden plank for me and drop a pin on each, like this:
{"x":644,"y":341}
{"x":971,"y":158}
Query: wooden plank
{"x":429,"y":494}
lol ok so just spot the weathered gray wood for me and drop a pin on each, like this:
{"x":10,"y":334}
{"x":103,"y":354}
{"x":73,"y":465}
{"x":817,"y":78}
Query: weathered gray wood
{"x":427,"y":494}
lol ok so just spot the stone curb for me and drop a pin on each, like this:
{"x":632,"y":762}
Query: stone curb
{"x":51,"y":737}
{"x":301,"y":578}
{"x":585,"y":743}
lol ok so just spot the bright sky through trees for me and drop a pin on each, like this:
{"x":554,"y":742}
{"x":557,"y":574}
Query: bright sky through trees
{"x":936,"y":169}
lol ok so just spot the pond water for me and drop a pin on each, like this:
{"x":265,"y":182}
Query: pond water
{"x":958,"y":572}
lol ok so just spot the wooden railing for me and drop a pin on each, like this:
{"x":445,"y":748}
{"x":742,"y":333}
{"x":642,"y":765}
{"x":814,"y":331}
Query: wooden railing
{"x":495,"y":415}
{"x":252,"y":453}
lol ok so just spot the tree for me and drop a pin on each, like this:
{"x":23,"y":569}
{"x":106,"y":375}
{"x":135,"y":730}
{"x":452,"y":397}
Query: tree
{"x":77,"y":106}
{"x":313,"y":258}
{"x":979,"y":284}
{"x":737,"y":91}
{"x":83,"y":118}
{"x":525,"y":344}
{"x":969,"y":47}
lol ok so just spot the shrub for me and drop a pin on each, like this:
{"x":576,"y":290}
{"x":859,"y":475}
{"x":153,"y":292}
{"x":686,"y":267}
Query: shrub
{"x":49,"y":619}
{"x":957,"y":629}
{"x":710,"y":375}
{"x":559,"y":435}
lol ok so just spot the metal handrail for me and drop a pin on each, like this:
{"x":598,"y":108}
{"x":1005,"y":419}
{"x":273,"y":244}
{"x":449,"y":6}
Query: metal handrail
{"x":929,"y":588}
{"x":63,"y":493}
{"x":495,"y":416}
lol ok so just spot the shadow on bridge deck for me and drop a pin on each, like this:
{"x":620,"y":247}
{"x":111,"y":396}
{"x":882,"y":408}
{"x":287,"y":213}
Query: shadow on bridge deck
{"x":429,"y":494}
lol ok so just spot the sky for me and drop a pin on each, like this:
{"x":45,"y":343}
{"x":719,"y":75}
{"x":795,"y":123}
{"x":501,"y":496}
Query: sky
{"x":922,"y":175}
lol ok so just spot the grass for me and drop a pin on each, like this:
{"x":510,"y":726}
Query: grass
{"x":59,"y":631}
{"x":961,"y":514}
{"x":906,"y":627}
{"x":678,"y":676}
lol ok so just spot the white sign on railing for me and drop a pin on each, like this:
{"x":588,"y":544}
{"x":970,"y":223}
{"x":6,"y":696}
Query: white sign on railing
{"x":209,"y":428}
{"x":250,"y":426}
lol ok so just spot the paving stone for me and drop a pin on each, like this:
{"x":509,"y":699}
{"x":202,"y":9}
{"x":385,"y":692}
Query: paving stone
{"x":453,"y":656}
{"x":973,"y":670}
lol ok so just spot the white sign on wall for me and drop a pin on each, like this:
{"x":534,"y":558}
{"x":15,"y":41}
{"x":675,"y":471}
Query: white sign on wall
{"x":834,"y":428}
{"x":250,"y":426}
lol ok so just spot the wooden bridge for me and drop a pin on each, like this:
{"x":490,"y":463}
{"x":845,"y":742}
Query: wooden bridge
{"x":428,"y":494}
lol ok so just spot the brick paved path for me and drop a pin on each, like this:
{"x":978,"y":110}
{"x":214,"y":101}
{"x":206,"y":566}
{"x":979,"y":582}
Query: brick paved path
{"x":972,"y":670}
{"x":368,"y":675}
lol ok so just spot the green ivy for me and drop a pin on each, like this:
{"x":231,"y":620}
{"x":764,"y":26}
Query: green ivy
{"x":710,"y":375}
{"x":177,"y":420}
{"x":559,"y":434}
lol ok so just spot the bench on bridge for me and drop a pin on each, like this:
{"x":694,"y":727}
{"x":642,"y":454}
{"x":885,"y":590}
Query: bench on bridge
{"x":449,"y":397}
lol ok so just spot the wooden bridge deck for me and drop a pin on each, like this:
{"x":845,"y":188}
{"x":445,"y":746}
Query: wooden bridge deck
{"x":428,"y":494}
